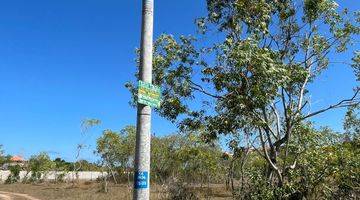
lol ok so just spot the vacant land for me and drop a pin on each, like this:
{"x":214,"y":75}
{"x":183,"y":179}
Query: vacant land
{"x":15,"y":196}
{"x":91,"y":191}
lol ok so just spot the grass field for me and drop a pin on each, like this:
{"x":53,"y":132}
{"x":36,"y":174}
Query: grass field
{"x":91,"y":191}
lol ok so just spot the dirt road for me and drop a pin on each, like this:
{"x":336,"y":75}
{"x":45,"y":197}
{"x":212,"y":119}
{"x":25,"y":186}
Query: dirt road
{"x":4,"y":197}
{"x":17,"y":196}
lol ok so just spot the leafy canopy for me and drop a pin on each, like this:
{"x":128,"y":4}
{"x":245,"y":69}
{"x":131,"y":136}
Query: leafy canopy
{"x":250,"y":72}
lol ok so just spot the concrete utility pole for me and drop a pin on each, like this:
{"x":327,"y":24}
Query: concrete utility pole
{"x":143,"y":136}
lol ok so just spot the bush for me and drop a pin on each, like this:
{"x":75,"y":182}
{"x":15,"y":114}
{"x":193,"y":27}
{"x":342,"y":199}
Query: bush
{"x":60,"y":177}
{"x":39,"y":166}
{"x":14,"y":176}
{"x":179,"y":191}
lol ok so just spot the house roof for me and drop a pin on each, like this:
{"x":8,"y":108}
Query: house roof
{"x":17,"y":159}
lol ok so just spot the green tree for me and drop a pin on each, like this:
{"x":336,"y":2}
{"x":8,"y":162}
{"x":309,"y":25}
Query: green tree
{"x":14,"y":176}
{"x":254,"y":79}
{"x":62,"y":165}
{"x":185,"y":157}
{"x":86,"y":124}
{"x":180,"y":156}
{"x":39,"y":165}
{"x":352,"y":123}
{"x":117,"y":150}
{"x":199,"y":162}
{"x":2,"y":156}
{"x":163,"y":160}
{"x":327,"y":167}
{"x":346,"y":180}
{"x":86,"y":165}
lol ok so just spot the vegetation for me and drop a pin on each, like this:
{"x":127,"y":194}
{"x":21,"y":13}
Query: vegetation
{"x":352,"y":123}
{"x":327,"y":165}
{"x":249,"y":89}
{"x":88,"y":191}
{"x":14,"y":176}
{"x":182,"y":157}
{"x":251,"y":84}
{"x":2,"y":157}
{"x":39,"y":166}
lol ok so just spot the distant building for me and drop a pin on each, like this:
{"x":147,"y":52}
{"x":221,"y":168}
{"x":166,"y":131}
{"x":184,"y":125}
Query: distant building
{"x":13,"y":161}
{"x":17,"y":159}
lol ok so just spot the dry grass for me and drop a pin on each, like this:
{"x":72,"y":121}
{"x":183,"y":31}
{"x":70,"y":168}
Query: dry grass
{"x":91,"y":191}
{"x":85,"y":191}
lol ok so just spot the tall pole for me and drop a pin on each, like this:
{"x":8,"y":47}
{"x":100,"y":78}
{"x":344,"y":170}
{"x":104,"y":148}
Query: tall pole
{"x":143,"y":137}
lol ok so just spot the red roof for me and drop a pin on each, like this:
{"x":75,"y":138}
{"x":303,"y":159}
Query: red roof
{"x":17,"y":159}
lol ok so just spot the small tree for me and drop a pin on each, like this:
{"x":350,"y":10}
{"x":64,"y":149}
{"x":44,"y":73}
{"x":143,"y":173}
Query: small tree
{"x":86,"y":124}
{"x":2,"y":156}
{"x":352,"y":123}
{"x":40,"y":165}
{"x":62,"y":165}
{"x":164,"y":163}
{"x":199,"y":162}
{"x":14,"y":176}
{"x":117,"y":150}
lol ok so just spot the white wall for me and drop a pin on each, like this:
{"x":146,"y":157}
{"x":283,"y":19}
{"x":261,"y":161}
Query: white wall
{"x":50,"y":176}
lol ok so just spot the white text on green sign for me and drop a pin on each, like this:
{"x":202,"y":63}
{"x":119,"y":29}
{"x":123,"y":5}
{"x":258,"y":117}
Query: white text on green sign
{"x":149,"y":94}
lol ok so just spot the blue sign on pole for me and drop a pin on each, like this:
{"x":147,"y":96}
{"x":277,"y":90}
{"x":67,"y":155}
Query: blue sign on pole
{"x":141,"y":180}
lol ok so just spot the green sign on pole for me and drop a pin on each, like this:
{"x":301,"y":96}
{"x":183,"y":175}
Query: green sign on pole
{"x":149,"y":94}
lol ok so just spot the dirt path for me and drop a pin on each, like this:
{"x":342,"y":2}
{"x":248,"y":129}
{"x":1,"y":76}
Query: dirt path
{"x":5,"y":197}
{"x":12,"y":195}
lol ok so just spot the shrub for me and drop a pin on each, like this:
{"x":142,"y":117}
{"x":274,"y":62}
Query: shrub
{"x":179,"y":191}
{"x":40,"y":165}
{"x":14,"y":176}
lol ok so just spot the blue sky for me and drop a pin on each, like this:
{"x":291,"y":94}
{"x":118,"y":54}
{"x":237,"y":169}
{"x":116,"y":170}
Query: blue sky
{"x":63,"y":61}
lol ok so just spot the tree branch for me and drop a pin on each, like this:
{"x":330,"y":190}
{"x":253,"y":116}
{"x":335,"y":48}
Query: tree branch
{"x":341,"y":104}
{"x":273,"y":107}
{"x":199,"y":88}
